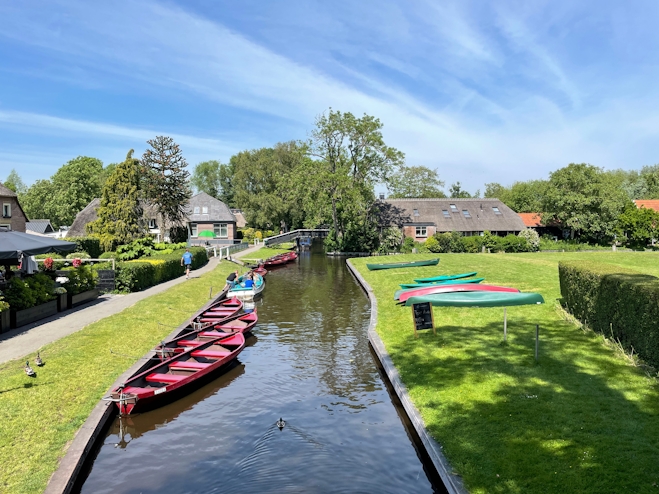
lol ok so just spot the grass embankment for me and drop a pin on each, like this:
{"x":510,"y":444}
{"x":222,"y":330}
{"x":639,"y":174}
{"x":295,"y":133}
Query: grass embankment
{"x":266,"y":252}
{"x":40,"y":416}
{"x":583,"y":419}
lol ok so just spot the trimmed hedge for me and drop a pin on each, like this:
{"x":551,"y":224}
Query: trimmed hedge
{"x":133,"y":276}
{"x":610,"y":298}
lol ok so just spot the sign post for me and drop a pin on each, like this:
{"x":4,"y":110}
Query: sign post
{"x":423,"y":318}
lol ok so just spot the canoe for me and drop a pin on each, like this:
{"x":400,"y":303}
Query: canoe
{"x":445,"y":277}
{"x":196,"y":361}
{"x":395,"y":265}
{"x":219,"y":310}
{"x":403,"y":295}
{"x":280,"y":259}
{"x":477,"y":299}
{"x":440,"y":283}
{"x":244,"y":293}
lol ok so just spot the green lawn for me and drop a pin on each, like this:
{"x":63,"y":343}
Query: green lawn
{"x":40,"y":416}
{"x":583,"y":419}
{"x":263,"y":253}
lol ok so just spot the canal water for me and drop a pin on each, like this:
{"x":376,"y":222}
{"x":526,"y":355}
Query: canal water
{"x":309,"y":363}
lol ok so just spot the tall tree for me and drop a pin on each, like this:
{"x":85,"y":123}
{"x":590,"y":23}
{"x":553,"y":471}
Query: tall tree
{"x":457,"y":192}
{"x":120,"y":215}
{"x":638,"y":226}
{"x":584,"y":200}
{"x":415,"y":182}
{"x":15,"y":183}
{"x":38,"y":202}
{"x":495,"y":190}
{"x":166,"y":180}
{"x":206,"y":178}
{"x":350,"y":157}
{"x":261,"y":185}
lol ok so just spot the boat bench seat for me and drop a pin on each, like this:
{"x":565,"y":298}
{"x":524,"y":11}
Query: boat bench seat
{"x":188,"y":366}
{"x":232,"y":325}
{"x":136,"y":390}
{"x":210,"y":319}
{"x":213,"y":334}
{"x":220,"y":311}
{"x":189,"y":343}
{"x":164,"y":378}
{"x":210,"y":353}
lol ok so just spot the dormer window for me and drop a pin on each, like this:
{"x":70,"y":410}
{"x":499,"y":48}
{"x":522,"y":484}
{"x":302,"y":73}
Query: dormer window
{"x":416,"y":212}
{"x":454,"y":208}
{"x":204,"y":210}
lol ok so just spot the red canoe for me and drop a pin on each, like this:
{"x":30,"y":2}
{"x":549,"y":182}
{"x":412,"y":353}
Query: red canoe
{"x":465,"y":287}
{"x":221,"y":310}
{"x":240,"y":323}
{"x":200,"y":358}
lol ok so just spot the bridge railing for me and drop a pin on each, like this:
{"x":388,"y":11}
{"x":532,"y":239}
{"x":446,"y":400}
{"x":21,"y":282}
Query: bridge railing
{"x":292,"y":235}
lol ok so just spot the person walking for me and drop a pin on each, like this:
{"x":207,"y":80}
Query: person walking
{"x":187,"y":260}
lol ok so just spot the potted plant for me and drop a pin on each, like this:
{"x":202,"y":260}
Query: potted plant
{"x":30,"y":299}
{"x":81,"y":287}
{"x":62,"y":299}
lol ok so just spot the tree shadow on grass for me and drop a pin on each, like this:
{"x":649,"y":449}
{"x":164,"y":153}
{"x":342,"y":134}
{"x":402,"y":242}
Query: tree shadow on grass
{"x":578,"y":420}
{"x":26,"y":385}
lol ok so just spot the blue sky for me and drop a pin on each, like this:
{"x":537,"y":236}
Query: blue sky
{"x":481,"y":91}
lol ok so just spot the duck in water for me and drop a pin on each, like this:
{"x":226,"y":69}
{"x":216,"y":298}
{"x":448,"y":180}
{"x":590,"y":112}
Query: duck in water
{"x":281,"y":423}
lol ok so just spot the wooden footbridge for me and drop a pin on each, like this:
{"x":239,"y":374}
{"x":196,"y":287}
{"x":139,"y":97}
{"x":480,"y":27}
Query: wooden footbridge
{"x":295,"y":234}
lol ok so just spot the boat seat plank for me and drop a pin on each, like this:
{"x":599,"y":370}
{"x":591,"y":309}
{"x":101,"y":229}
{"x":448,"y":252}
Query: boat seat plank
{"x":188,"y":365}
{"x":189,"y":343}
{"x":217,"y":354}
{"x":164,"y":378}
{"x":212,"y":334}
{"x":233,"y":325}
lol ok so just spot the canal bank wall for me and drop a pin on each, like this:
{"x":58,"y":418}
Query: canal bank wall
{"x":433,"y":449}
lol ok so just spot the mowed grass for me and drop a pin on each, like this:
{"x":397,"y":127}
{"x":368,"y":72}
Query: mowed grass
{"x":581,"y":419}
{"x":40,"y":416}
{"x":263,"y":253}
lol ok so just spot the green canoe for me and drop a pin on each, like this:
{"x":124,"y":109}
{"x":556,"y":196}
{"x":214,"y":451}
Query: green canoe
{"x":448,"y":282}
{"x":394,"y":265}
{"x":478,"y":299}
{"x":445,"y":277}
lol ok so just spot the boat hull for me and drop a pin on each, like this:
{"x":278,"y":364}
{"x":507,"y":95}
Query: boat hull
{"x":403,"y":295}
{"x":440,"y":283}
{"x":477,"y":299}
{"x":445,"y":277}
{"x":397,"y":265}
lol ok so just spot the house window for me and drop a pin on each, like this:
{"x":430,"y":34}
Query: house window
{"x":196,"y":210}
{"x":421,"y":231}
{"x":454,"y":208}
{"x":221,"y":230}
{"x":193,"y":229}
{"x":466,"y":213}
{"x":204,"y":210}
{"x":416,"y":212}
{"x":496,"y":210}
{"x":446,"y":213}
{"x":6,"y":210}
{"x":152,"y":224}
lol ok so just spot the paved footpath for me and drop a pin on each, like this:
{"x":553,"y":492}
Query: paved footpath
{"x":28,"y":339}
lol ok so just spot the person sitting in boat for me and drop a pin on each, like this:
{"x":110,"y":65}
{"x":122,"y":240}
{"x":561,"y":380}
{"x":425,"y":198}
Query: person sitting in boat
{"x":249,"y":282}
{"x":231,"y":280}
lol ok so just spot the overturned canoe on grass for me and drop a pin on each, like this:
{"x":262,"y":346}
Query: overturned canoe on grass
{"x":477,"y":299}
{"x":445,"y":277}
{"x":396,"y":265}
{"x":403,"y":295}
{"x":440,"y":283}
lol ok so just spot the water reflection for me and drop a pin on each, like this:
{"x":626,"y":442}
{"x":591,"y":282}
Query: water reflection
{"x":309,"y":362}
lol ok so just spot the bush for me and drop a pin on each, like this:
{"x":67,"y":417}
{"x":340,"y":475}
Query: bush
{"x":513,"y":243}
{"x":432,"y":244}
{"x":178,"y":234}
{"x":408,"y":245}
{"x":3,"y":305}
{"x":108,"y":255}
{"x":450,"y":242}
{"x":472,"y":245}
{"x":78,"y":255}
{"x":42,"y":286}
{"x":532,"y":239}
{"x":87,"y":244}
{"x":18,"y":294}
{"x":614,"y":301}
{"x":81,"y":279}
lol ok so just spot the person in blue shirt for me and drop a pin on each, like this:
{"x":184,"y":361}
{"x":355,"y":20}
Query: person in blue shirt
{"x":249,"y":282}
{"x":187,"y":260}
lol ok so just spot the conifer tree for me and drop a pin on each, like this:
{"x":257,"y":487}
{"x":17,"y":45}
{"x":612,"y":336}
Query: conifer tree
{"x":120,"y":215}
{"x":166,"y":180}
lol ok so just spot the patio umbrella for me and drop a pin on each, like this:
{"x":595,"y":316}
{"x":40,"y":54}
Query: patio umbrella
{"x":207,"y":233}
{"x":13,"y":244}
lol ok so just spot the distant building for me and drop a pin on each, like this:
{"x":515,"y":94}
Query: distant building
{"x":647,"y":203}
{"x":206,"y":213}
{"x":40,"y":226}
{"x":240,"y":218}
{"x":13,"y":216}
{"x":422,"y":218}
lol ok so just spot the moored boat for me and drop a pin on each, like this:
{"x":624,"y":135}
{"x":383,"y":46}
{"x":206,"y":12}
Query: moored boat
{"x":190,"y":363}
{"x":403,"y":295}
{"x":477,"y":299}
{"x":395,"y":265}
{"x":243,"y":292}
{"x":440,"y":283}
{"x":220,"y":310}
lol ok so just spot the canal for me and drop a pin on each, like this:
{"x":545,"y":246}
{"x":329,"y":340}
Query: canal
{"x":308,"y":362}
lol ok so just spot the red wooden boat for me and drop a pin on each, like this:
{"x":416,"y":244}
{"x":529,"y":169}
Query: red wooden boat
{"x":231,"y":324}
{"x":192,"y":362}
{"x":465,"y":287}
{"x":260,"y":270}
{"x":280,"y":259}
{"x":220,"y":310}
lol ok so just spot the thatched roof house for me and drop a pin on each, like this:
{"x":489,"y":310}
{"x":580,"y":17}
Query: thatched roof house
{"x":421,"y":218}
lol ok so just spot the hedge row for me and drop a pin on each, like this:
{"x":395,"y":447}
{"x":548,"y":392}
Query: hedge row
{"x":608,"y":298}
{"x":133,"y":276}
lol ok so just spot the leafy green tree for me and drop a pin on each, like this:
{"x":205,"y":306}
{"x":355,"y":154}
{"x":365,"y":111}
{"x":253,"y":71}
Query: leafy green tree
{"x":495,"y":190}
{"x":526,"y":197}
{"x":206,"y":178}
{"x":350,"y":156}
{"x":638,"y":226}
{"x":586,"y":201}
{"x":76,"y":183}
{"x":415,"y":182}
{"x":120,"y":215}
{"x":456,"y":192}
{"x":166,"y":180}
{"x":15,"y":183}
{"x":37,"y":202}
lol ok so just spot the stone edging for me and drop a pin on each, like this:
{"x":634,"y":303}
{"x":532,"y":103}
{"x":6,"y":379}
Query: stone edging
{"x":64,"y":478}
{"x":451,"y":481}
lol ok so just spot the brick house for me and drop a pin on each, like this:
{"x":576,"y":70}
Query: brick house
{"x":12,"y":215}
{"x":206,"y":213}
{"x":422,"y":218}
